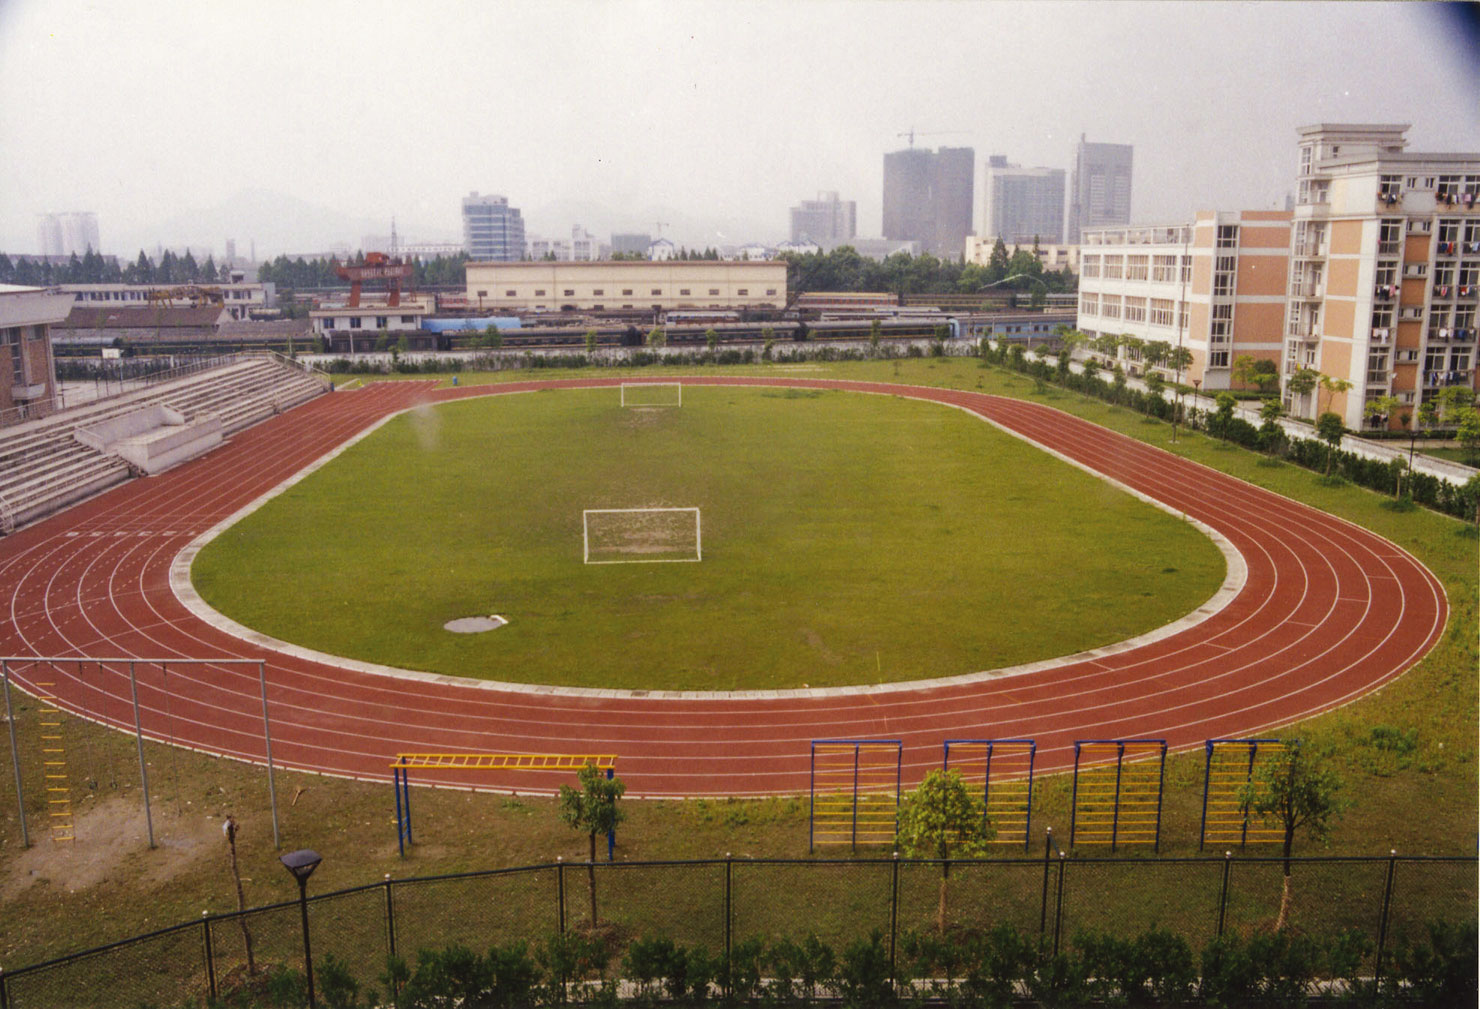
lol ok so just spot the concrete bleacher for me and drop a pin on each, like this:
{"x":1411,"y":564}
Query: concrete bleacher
{"x":45,"y":466}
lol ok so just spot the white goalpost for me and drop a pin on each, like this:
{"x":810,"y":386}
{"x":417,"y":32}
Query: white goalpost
{"x":652,"y":394}
{"x":641,"y":535}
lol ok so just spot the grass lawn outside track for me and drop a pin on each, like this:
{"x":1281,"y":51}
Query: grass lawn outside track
{"x":847,"y":539}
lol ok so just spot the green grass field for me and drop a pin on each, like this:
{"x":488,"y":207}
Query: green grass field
{"x":847,"y":539}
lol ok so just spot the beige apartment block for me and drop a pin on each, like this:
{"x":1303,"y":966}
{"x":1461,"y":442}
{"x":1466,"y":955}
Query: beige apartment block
{"x":1215,"y":286}
{"x":1053,"y":257}
{"x":671,"y":284}
{"x":1384,"y":270}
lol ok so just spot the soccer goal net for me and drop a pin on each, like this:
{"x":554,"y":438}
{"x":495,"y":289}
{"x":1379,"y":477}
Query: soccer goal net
{"x":652,"y":394}
{"x":641,"y":535}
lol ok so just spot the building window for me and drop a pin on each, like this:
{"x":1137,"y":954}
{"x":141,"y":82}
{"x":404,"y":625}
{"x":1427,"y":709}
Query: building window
{"x":1163,"y":268}
{"x":1161,"y":311}
{"x":1089,"y":303}
{"x":1415,"y":269}
{"x":381,"y":321}
{"x":1135,"y":268}
{"x":539,"y":294}
{"x":1135,"y":310}
{"x":354,"y":323}
{"x":1186,"y":277}
{"x":1218,"y":359}
{"x":569,"y":292}
{"x":328,"y":323}
{"x":507,"y":294}
{"x":1228,"y":236}
{"x":1089,"y":266}
{"x":770,"y":291}
{"x":1110,"y":306}
{"x":714,"y":292}
{"x":744,"y":292}
{"x":1114,"y":267}
{"x":627,"y":293}
{"x":1420,"y":225}
{"x":683,"y":292}
{"x":658,"y":290}
{"x":598,"y":293}
{"x":1222,"y":325}
{"x":408,"y":319}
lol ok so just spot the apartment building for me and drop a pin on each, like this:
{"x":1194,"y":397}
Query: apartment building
{"x":1214,"y":286}
{"x":1099,"y":188}
{"x":1384,"y":272}
{"x":491,"y":228}
{"x":1023,"y":205}
{"x":826,"y":221}
{"x":928,"y":197}
{"x":618,"y":284}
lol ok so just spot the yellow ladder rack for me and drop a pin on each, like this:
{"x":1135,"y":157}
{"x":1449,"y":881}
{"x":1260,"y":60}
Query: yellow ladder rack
{"x":54,"y":766}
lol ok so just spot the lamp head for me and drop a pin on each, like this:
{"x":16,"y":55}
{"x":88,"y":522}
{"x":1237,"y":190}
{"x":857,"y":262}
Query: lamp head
{"x":302,"y":863}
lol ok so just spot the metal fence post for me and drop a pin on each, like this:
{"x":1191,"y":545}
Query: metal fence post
{"x":729,"y":864}
{"x":1223,"y":894}
{"x":560,"y":893}
{"x":1043,"y":913}
{"x":15,"y":762}
{"x":390,"y":917}
{"x":893,"y":913}
{"x":1382,"y":926}
{"x":277,"y":841}
{"x":133,"y":684}
{"x":1058,"y":913}
{"x":205,"y":928}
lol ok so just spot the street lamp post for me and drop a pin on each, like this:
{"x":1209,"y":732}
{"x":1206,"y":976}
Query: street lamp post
{"x":302,"y":864}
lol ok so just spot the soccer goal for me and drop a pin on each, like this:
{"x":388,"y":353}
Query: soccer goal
{"x":641,"y":535}
{"x":652,"y":394}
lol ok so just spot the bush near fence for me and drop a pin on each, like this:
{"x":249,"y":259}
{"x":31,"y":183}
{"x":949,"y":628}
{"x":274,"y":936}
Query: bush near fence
{"x":1061,"y":930}
{"x":1308,"y":453}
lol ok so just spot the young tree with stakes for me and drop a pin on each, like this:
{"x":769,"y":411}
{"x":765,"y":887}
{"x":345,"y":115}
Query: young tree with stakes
{"x":592,"y":809}
{"x":941,"y":819}
{"x":1298,"y":793}
{"x":1331,"y":431}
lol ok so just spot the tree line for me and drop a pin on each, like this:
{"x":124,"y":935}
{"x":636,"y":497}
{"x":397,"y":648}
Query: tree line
{"x":845,"y":269}
{"x":92,"y":268}
{"x":299,"y":273}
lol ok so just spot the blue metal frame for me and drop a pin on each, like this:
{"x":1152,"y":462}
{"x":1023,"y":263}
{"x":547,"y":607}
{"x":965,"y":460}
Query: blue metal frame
{"x":1253,"y":745}
{"x":1120,"y":745}
{"x":898,"y":745}
{"x":991,"y":745}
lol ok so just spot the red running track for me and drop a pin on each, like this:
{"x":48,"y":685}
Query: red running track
{"x":1329,"y":612}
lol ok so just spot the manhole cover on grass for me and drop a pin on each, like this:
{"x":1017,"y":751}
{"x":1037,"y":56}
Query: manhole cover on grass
{"x":474,"y":625}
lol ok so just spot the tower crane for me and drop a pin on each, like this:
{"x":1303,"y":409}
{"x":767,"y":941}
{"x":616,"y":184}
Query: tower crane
{"x":932,"y":133}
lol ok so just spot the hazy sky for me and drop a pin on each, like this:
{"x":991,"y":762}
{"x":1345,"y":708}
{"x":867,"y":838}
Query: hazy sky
{"x":722,"y":115}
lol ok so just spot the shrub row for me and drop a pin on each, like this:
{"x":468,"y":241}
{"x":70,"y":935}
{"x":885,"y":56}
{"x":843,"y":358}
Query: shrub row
{"x":1430,"y":491}
{"x":994,"y":968}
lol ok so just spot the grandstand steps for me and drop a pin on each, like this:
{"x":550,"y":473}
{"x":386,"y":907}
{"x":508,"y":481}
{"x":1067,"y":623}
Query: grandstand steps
{"x":44,"y":467}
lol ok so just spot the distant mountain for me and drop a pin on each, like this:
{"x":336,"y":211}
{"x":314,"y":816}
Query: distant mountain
{"x":276,"y":222}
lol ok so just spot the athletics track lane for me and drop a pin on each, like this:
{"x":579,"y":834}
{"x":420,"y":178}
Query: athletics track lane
{"x":1328,"y":613}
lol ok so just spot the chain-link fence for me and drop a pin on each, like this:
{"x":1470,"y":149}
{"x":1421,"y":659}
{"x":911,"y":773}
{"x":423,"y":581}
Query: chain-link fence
{"x":717,"y":905}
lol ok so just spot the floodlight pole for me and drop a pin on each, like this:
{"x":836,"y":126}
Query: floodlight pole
{"x":15,"y":760}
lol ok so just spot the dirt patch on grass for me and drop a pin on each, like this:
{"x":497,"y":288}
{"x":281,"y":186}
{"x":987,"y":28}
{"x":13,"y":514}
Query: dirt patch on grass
{"x":111,"y":842}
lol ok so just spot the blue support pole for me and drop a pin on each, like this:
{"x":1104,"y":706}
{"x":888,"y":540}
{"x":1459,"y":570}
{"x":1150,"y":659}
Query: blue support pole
{"x":1202,"y":834}
{"x":812,"y":802}
{"x":1074,"y":799}
{"x":1161,"y":771}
